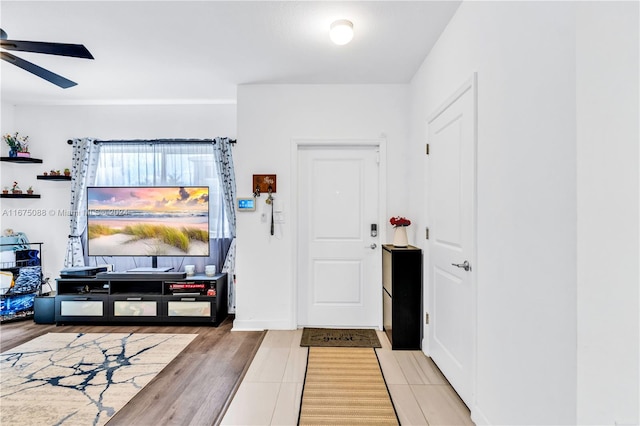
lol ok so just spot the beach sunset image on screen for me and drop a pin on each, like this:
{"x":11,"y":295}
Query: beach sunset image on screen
{"x":148,"y":221}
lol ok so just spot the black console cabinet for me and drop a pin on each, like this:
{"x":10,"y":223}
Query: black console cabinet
{"x":196,"y":299}
{"x":402,"y":295}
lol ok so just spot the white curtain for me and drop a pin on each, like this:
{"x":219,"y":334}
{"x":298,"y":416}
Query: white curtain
{"x":173,"y":162}
{"x":83,"y":168}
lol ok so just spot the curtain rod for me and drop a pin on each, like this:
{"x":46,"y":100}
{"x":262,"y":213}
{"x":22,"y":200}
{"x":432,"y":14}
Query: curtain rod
{"x":232,"y":141}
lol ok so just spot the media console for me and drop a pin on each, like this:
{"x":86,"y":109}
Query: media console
{"x":136,"y":297}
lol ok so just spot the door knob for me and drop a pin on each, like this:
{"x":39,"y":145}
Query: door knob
{"x":372,"y":246}
{"x":465,"y":265}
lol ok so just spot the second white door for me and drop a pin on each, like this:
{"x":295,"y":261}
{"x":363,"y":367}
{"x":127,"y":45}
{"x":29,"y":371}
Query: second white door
{"x":339,"y":262}
{"x":451,"y":272}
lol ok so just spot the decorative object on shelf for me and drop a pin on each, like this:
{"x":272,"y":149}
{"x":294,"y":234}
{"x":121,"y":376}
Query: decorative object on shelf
{"x":30,"y":190}
{"x":210,"y":270}
{"x":18,"y":145}
{"x":190,"y":270}
{"x":67,"y":172}
{"x":45,"y":173}
{"x":15,"y":189}
{"x":5,"y":190}
{"x":400,"y":235}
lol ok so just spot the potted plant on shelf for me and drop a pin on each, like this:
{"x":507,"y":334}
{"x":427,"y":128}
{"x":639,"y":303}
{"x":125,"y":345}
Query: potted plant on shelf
{"x":24,"y":149}
{"x":67,"y":172}
{"x":30,"y":190}
{"x":15,"y":189}
{"x":18,"y":145}
{"x":5,"y":190}
{"x":45,"y":173}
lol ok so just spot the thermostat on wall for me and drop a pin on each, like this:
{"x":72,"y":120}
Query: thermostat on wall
{"x":246,"y":204}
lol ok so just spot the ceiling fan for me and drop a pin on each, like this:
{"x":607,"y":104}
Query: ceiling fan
{"x":59,"y":49}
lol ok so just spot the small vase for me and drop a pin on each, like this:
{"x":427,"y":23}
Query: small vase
{"x":400,"y":237}
{"x":13,"y":153}
{"x":24,"y":154}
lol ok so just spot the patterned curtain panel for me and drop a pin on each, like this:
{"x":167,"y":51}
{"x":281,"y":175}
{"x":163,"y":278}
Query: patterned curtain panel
{"x":227,"y":178}
{"x":83,"y":173}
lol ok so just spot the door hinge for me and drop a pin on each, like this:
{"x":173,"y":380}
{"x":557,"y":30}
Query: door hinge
{"x":426,"y":233}
{"x":427,"y":149}
{"x":426,"y":317}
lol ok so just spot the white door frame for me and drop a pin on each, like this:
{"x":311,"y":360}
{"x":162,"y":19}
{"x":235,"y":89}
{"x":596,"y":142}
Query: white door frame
{"x":296,"y":144}
{"x":470,"y":85}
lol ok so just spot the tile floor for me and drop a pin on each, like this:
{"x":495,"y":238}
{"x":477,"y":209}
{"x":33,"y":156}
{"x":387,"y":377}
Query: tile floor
{"x":271,"y":391}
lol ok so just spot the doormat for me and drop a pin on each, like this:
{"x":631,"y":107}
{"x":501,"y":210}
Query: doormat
{"x":80,"y":378}
{"x":345,"y":386}
{"x":340,"y":337}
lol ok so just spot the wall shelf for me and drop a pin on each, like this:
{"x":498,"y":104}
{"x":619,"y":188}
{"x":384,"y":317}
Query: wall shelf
{"x":49,"y":177}
{"x":19,"y":195}
{"x":21,"y":159}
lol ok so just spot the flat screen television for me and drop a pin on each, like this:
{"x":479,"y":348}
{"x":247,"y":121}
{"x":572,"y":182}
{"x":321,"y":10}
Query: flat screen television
{"x":148,"y":221}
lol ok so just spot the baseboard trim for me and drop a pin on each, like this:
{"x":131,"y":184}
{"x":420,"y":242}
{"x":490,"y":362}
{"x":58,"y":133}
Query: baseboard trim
{"x":259,"y":325}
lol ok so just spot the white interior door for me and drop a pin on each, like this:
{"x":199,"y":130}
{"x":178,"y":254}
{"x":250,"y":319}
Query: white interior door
{"x":339,"y":266}
{"x":452,"y":294}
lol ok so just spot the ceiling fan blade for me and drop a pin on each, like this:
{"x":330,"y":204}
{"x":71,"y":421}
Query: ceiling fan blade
{"x":60,"y":49}
{"x":54,"y":78}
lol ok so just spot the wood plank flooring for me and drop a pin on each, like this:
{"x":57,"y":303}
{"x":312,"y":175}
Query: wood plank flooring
{"x":194,"y":389}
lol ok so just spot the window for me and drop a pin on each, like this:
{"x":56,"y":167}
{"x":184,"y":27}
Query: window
{"x":164,"y":163}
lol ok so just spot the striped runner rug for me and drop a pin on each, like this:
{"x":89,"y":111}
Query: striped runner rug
{"x":345,"y":386}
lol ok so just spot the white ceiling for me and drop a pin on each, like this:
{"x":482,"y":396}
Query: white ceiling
{"x":200,"y":51}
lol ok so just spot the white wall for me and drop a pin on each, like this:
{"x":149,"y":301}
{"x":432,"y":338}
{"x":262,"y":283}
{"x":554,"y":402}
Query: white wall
{"x":6,"y":117}
{"x":608,"y":188}
{"x":557,"y":204}
{"x":49,"y":128}
{"x":526,"y":277}
{"x":269,"y":118}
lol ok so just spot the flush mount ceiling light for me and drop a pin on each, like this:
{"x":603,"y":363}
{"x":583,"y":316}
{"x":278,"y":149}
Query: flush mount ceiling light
{"x":341,"y":31}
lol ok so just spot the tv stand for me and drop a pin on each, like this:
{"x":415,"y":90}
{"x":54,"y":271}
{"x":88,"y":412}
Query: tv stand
{"x":168,"y":298}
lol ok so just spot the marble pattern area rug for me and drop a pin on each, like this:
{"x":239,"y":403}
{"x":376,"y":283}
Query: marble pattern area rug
{"x":80,"y":378}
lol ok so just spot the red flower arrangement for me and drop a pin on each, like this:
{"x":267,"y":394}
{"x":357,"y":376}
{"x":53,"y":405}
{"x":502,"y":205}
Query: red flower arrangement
{"x":399,"y":221}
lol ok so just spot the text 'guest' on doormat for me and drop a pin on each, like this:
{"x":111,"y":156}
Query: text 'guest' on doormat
{"x":340,"y":337}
